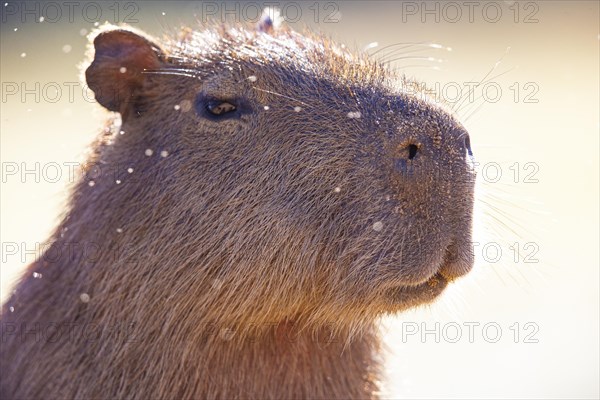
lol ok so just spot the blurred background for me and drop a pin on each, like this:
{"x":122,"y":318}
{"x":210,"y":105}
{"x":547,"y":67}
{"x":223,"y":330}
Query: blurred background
{"x":525,"y":322}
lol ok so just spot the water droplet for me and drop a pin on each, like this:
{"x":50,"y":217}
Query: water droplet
{"x":67,"y":48}
{"x":378,"y":226}
{"x":16,"y":29}
{"x":118,"y":181}
{"x":164,"y":153}
{"x":11,"y":308}
{"x":148,"y":152}
{"x":41,"y":19}
{"x":337,"y":189}
{"x":122,"y":70}
{"x":163,"y":13}
{"x":186,"y":105}
{"x":354,"y":114}
{"x":252,"y":78}
{"x":119,"y":230}
{"x":23,"y":55}
{"x":37,"y":275}
{"x":177,"y":107}
{"x":297,"y":109}
{"x":84,"y":297}
{"x":266,"y":107}
{"x":91,"y":183}
{"x":96,"y":23}
{"x":130,"y":170}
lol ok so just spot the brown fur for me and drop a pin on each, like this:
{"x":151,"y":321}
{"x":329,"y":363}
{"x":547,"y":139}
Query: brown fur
{"x":254,"y":259}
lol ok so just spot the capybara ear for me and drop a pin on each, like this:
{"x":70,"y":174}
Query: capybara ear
{"x":116,"y":73}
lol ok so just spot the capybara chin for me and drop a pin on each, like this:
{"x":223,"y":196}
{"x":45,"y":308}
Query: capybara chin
{"x":264,"y":197}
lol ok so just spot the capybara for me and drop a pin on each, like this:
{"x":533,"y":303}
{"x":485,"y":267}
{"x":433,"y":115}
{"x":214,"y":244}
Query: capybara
{"x":257,"y":201}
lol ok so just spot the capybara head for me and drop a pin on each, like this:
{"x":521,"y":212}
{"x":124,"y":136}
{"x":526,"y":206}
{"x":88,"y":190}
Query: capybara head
{"x":276,"y":176}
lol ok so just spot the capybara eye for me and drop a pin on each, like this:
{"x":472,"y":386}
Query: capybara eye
{"x":219,"y":107}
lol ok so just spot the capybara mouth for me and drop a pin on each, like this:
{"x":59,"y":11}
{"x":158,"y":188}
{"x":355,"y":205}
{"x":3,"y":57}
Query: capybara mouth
{"x":413,"y":295}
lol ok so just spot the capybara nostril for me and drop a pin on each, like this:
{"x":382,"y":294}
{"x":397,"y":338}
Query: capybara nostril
{"x":404,"y":156}
{"x":407,"y":151}
{"x":412,"y":151}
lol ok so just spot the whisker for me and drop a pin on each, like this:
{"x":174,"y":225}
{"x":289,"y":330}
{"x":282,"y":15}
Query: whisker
{"x":386,"y":57}
{"x":168,"y":72}
{"x":416,"y":66}
{"x":477,"y":103}
{"x":481,"y":96}
{"x":433,"y":59}
{"x":280,"y":95}
{"x":397,"y":51}
{"x":188,"y":70}
{"x":496,"y":64}
{"x":407,"y":45}
{"x":468,"y":117}
{"x":177,"y":69}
